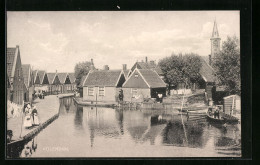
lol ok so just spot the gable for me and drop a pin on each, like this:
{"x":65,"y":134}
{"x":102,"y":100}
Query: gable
{"x":67,"y":80}
{"x":56,"y":80}
{"x":37,"y":81}
{"x":121,"y":81}
{"x":45,"y":79}
{"x":135,"y":81}
{"x":10,"y":60}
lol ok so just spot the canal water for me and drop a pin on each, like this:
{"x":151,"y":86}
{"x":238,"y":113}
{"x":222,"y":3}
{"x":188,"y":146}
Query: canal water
{"x":105,"y":132}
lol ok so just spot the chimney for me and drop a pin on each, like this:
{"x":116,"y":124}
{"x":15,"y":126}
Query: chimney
{"x":124,"y":67}
{"x":106,"y":67}
{"x":210,"y":60}
{"x":92,"y":61}
{"x":146,"y":59}
{"x":17,"y":46}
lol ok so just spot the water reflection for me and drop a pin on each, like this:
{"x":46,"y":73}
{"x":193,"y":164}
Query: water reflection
{"x":101,"y":131}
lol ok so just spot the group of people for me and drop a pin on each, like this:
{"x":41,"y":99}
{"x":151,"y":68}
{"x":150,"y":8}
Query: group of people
{"x":214,"y":110}
{"x":31,"y":116}
{"x":40,"y":94}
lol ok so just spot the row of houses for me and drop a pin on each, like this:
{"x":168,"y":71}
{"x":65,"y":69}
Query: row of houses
{"x":22,"y":81}
{"x":143,"y":80}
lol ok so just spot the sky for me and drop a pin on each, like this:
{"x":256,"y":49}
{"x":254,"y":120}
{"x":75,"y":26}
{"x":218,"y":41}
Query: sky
{"x":53,"y":41}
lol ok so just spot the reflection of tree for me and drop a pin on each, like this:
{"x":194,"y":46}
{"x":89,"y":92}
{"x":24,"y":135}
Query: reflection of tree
{"x":174,"y":134}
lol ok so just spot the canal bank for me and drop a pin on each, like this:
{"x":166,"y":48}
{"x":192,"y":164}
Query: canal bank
{"x":47,"y":109}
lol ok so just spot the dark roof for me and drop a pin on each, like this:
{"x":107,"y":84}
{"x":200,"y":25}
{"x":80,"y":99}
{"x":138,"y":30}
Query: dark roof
{"x":82,"y":81}
{"x":26,"y":74}
{"x":51,"y":77}
{"x":207,"y":72}
{"x":152,"y":78}
{"x":41,"y":74}
{"x":103,"y":78}
{"x":72,"y":77}
{"x":126,"y":72}
{"x":10,"y":57}
{"x":62,"y":77}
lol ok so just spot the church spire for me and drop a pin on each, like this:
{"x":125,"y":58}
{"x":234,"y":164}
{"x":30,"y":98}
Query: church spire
{"x":215,"y":30}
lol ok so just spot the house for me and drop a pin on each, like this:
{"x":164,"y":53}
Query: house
{"x":103,"y":85}
{"x":15,"y":75}
{"x":147,"y":65}
{"x":28,"y":82}
{"x":72,"y":81}
{"x":38,"y":83}
{"x":81,"y":84}
{"x":143,"y":83}
{"x":232,"y":105}
{"x":65,"y":85}
{"x":53,"y":83}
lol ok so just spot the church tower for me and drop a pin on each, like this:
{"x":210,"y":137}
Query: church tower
{"x":215,"y":42}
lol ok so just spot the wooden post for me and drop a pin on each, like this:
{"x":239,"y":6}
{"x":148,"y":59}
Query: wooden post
{"x":233,"y":101}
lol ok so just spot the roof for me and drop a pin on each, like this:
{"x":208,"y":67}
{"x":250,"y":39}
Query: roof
{"x":26,"y":74}
{"x":82,"y":81}
{"x":51,"y":77}
{"x":126,"y":72}
{"x":152,"y":78}
{"x":10,"y":60}
{"x":34,"y":73}
{"x":143,"y":65}
{"x":158,"y":70}
{"x":103,"y":78}
{"x":62,"y":77}
{"x":207,"y":72}
{"x":41,"y":74}
{"x":148,"y":79}
{"x":72,"y":77}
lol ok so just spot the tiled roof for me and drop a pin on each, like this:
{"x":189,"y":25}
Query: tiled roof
{"x":207,"y":72}
{"x":72,"y":77}
{"x":10,"y":57}
{"x":103,"y":78}
{"x":51,"y":77}
{"x":152,"y":78}
{"x":82,"y":80}
{"x":158,"y":70}
{"x":26,"y":74}
{"x":62,"y":77}
{"x":41,"y":74}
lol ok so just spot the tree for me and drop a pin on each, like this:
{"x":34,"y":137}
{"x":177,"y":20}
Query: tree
{"x":81,"y":69}
{"x":181,"y":69}
{"x":227,"y":65}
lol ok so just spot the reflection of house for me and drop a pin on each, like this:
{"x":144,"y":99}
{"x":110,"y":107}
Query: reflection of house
{"x":103,"y":85}
{"x":28,"y":81}
{"x":15,"y":75}
{"x":143,"y":83}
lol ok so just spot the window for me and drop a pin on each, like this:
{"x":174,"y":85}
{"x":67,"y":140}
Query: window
{"x":101,"y":91}
{"x":134,"y":91}
{"x":90,"y":91}
{"x":136,"y":75}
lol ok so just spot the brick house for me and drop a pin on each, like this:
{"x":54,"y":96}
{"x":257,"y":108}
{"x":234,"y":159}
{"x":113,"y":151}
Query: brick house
{"x":143,"y":83}
{"x":15,"y":75}
{"x":103,"y":85}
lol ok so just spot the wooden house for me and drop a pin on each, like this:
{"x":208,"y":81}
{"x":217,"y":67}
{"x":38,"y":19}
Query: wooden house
{"x":81,"y":84}
{"x":72,"y":81}
{"x":53,"y":82}
{"x":143,"y":83}
{"x":103,"y":85}
{"x":28,"y":82}
{"x":15,"y":75}
{"x":65,"y":85}
{"x":232,"y":105}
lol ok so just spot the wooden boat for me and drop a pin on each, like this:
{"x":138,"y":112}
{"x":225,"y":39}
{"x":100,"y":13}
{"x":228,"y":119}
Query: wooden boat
{"x":215,"y":120}
{"x":230,"y":119}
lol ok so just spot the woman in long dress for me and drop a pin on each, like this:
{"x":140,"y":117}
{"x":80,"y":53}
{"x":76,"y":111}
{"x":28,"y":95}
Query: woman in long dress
{"x":35,"y":116}
{"x":27,"y":119}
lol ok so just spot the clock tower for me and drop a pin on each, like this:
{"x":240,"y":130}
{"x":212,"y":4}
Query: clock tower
{"x":215,"y":41}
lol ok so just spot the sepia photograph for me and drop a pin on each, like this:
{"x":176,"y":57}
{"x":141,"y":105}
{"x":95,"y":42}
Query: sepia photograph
{"x":123,"y":84}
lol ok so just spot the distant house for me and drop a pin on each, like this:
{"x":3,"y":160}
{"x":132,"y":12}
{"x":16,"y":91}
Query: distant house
{"x":38,"y":83}
{"x":53,"y":83}
{"x":147,"y":65}
{"x":72,"y":81}
{"x":15,"y":75}
{"x":81,"y":84}
{"x":143,"y":83}
{"x":29,"y":88}
{"x":103,"y":85}
{"x":65,"y":85}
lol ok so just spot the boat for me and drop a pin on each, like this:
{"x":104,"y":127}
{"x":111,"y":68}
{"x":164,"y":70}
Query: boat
{"x":230,"y":119}
{"x":211,"y":118}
